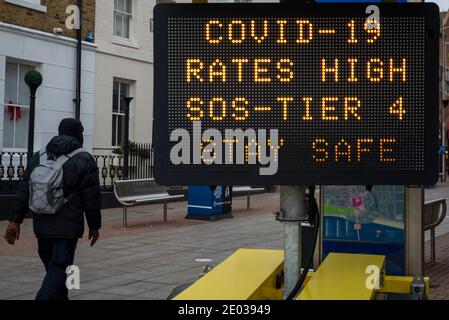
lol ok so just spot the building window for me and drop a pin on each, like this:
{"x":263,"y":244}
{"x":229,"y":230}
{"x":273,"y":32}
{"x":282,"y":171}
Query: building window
{"x":120,"y":89}
{"x":122,"y":17}
{"x":31,"y":4}
{"x":16,"y":107}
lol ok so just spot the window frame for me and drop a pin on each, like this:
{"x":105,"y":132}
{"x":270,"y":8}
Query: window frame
{"x":34,"y":5}
{"x":118,"y":114}
{"x":3,"y":104}
{"x":128,"y":4}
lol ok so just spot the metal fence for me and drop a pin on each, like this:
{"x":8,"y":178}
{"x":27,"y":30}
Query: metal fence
{"x":12,"y":167}
{"x":109,"y":162}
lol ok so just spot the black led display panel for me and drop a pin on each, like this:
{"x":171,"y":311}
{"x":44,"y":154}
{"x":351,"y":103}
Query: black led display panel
{"x":296,"y":94}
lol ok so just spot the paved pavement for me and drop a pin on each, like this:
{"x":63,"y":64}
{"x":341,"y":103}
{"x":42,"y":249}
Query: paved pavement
{"x":441,"y":190}
{"x":439,"y":272}
{"x":148,"y":259}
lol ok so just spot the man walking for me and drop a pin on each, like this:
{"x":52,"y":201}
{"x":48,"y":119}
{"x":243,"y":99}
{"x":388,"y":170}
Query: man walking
{"x":59,"y":185}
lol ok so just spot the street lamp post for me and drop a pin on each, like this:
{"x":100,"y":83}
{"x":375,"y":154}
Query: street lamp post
{"x":33,"y":79}
{"x":127,"y":101}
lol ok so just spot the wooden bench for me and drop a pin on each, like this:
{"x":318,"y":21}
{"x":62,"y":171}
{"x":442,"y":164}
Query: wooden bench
{"x":246,"y":190}
{"x":142,"y":191}
{"x":434,"y":214}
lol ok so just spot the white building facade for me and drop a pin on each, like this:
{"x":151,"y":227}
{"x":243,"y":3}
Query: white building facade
{"x":54,"y":56}
{"x":124,"y":67}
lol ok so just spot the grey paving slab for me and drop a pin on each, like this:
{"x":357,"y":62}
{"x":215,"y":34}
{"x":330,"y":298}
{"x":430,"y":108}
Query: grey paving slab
{"x":139,"y":297}
{"x":18,"y":260}
{"x":166,"y":269}
{"x":181,"y":261}
{"x":111,"y":279}
{"x":25,"y":276}
{"x":175,"y":278}
{"x":159,"y":294}
{"x":99,"y":296}
{"x":27,"y":296}
{"x":76,"y":292}
{"x":24,"y":272}
{"x":133,"y":288}
{"x":5,"y":284}
{"x":15,"y":289}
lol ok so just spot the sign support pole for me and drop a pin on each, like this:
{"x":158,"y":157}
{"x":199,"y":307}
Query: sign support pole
{"x":414,"y":206}
{"x":293,"y":212}
{"x":293,"y":207}
{"x":414,"y":235}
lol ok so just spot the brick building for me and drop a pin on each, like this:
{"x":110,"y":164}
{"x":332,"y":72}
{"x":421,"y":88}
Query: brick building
{"x":45,"y":15}
{"x":33,"y":35}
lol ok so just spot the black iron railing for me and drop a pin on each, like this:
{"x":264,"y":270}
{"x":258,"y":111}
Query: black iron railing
{"x":109,"y":162}
{"x":12,"y":167}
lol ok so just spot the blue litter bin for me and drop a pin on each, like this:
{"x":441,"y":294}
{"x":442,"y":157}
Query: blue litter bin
{"x":209,"y":202}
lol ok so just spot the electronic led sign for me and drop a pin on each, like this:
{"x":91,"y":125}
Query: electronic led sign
{"x":296,"y":94}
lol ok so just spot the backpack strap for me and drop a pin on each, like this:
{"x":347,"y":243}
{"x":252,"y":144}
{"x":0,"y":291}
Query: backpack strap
{"x":64,"y":158}
{"x":75,"y":152}
{"x":42,"y":155}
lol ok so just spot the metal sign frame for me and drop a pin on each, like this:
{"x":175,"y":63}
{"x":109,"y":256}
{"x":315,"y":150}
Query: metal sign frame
{"x":310,"y":176}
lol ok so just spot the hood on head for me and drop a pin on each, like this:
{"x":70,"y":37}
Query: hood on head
{"x":63,"y":144}
{"x":71,"y":127}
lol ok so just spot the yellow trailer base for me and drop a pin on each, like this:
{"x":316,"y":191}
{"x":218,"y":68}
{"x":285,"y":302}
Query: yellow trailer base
{"x":343,"y":276}
{"x":248,"y":274}
{"x":255,"y":274}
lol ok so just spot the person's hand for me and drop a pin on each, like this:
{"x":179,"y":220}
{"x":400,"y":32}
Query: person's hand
{"x":12,"y":232}
{"x":94,"y":235}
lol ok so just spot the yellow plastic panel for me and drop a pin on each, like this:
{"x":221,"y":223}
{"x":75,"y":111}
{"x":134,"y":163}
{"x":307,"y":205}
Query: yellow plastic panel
{"x":400,"y":284}
{"x":342,"y":276}
{"x":246,"y":274}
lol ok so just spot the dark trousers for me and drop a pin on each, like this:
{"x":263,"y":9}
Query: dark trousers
{"x":56,"y":254}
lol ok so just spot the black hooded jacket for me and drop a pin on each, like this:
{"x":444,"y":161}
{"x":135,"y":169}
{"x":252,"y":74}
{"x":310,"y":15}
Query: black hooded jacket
{"x":80,"y":178}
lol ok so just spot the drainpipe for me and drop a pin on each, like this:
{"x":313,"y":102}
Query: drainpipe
{"x":79,"y":33}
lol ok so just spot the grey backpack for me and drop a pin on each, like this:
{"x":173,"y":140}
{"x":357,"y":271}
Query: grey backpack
{"x":46,"y":184}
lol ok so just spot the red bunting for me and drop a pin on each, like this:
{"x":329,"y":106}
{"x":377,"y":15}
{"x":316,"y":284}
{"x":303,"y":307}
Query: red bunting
{"x":12,"y":108}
